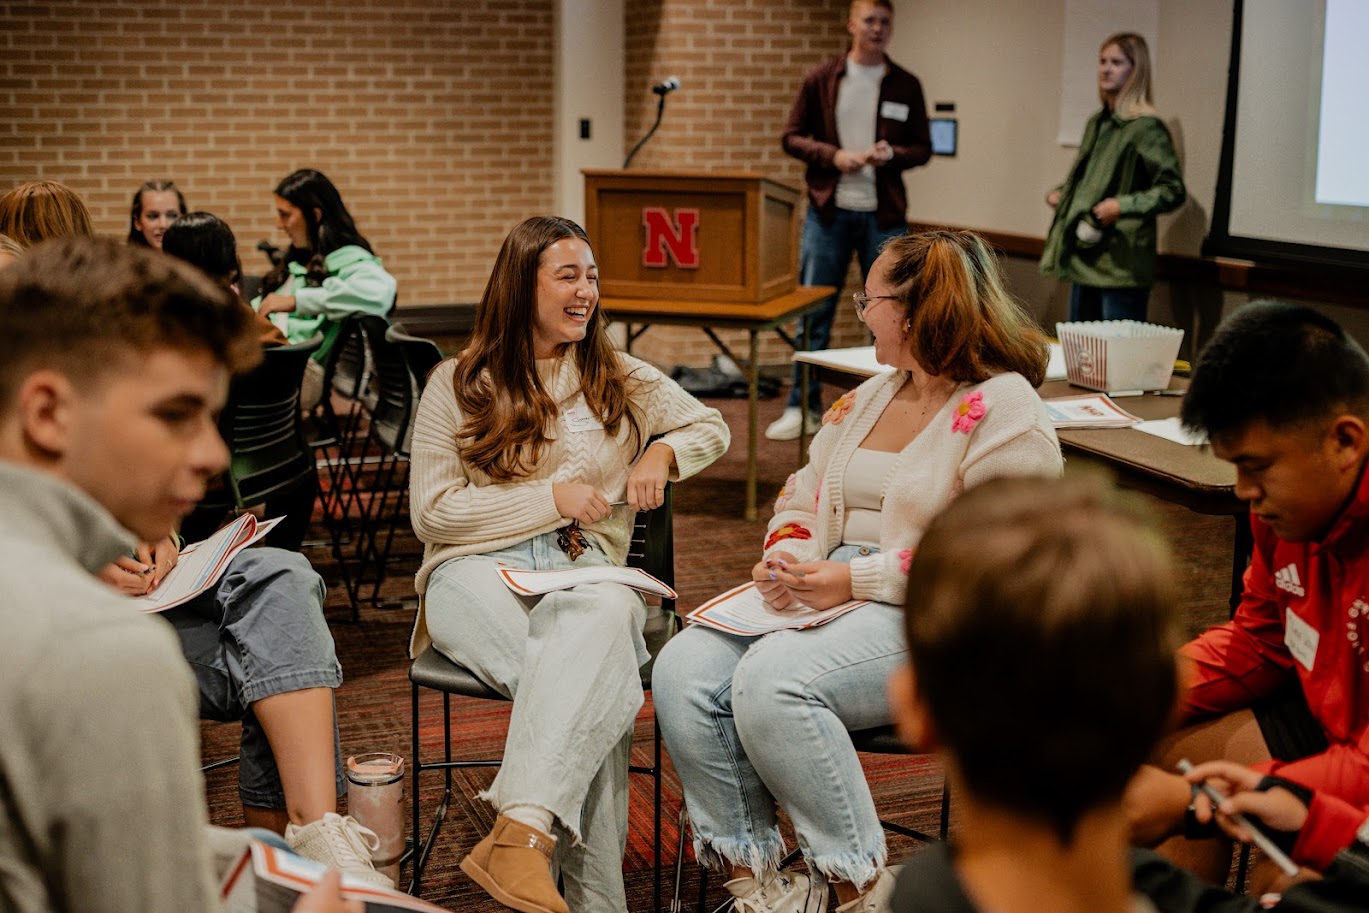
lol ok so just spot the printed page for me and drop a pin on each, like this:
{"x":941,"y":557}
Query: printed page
{"x":742,"y":610}
{"x":1095,"y":411}
{"x":1172,"y":429}
{"x":201,"y":564}
{"x":535,"y":583}
{"x":268,"y":880}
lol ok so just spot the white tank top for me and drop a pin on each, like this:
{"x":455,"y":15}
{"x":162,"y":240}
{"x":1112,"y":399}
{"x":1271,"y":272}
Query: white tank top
{"x":861,"y":489}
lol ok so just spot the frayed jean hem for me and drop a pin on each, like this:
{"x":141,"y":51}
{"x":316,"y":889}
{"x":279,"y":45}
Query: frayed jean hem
{"x":859,"y":869}
{"x":721,"y":853}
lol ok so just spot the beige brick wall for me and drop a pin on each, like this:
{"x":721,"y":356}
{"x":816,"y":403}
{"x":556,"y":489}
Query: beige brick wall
{"x":740,"y":65}
{"x":433,"y":117}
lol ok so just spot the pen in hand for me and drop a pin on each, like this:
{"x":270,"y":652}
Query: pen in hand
{"x":1257,"y":836}
{"x":785,"y":567}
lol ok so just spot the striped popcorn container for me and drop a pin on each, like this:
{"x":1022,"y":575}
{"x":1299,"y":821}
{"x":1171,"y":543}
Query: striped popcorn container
{"x":1119,"y":355}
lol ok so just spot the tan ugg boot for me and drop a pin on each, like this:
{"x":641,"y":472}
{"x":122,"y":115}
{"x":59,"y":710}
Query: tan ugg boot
{"x":513,"y":865}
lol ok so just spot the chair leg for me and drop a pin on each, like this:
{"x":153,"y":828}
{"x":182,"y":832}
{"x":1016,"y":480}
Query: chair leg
{"x":656,"y":849}
{"x":423,"y":848}
{"x":675,"y":904}
{"x":416,"y":765}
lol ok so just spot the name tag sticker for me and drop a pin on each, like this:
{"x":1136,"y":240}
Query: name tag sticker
{"x":579,"y":418}
{"x":894,"y":110}
{"x":1301,"y":639}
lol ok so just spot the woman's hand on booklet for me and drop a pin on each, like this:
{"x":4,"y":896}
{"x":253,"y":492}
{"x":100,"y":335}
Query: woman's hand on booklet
{"x":128,"y":575}
{"x":139,"y":574}
{"x":165,"y":554}
{"x":775,"y":594}
{"x":326,"y":897}
{"x":816,"y":584}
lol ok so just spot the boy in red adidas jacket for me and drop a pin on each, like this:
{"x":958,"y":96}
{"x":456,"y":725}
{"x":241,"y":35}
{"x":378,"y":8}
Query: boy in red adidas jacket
{"x":1283,"y":394}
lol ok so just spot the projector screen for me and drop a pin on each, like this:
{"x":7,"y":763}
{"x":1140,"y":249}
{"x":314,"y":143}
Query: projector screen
{"x":1294,"y":178}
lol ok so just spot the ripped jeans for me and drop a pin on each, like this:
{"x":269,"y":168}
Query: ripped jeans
{"x":754,"y":721}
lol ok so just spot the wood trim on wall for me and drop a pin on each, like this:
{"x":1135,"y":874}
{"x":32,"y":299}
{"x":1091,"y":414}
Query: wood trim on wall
{"x":1316,"y":283}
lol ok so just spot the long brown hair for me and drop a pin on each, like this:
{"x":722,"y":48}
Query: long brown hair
{"x":326,"y":219}
{"x":960,"y":320}
{"x":38,"y":210}
{"x":507,"y":408}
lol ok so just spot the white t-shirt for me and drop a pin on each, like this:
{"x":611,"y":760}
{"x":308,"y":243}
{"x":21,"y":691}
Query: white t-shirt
{"x":857,"y":104}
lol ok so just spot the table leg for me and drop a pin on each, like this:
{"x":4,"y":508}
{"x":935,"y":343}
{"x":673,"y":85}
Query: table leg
{"x":752,"y":423}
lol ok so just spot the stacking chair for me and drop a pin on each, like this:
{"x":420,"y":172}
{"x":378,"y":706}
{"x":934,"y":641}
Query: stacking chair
{"x":421,"y":355}
{"x":345,"y":373}
{"x":389,"y":403}
{"x":652,"y":550}
{"x":270,"y":460}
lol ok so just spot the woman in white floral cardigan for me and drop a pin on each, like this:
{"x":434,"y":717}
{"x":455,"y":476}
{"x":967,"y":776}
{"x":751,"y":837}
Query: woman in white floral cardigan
{"x":755,"y":722}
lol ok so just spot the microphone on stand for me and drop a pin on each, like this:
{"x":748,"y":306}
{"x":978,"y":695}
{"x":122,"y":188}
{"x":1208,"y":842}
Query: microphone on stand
{"x":660,"y":90}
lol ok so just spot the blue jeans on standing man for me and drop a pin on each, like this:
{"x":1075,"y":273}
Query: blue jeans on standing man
{"x":824,"y":258}
{"x":1088,"y":302}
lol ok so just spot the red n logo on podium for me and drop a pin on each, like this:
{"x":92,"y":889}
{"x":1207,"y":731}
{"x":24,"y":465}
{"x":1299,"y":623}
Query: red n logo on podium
{"x":679,"y":236}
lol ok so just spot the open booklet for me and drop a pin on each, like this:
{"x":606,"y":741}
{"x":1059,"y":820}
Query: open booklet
{"x":1095,"y":410}
{"x":263,"y":879}
{"x":536,"y":583}
{"x":741,"y":610}
{"x":201,"y":564}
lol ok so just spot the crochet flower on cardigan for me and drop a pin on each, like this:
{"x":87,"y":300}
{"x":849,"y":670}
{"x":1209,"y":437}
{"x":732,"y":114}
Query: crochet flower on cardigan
{"x":969,"y":412}
{"x":788,"y":531}
{"x":840,"y":409}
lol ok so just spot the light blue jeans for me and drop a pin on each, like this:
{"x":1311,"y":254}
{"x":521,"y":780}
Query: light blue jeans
{"x":259,"y":633}
{"x":569,"y":660}
{"x":824,"y":257}
{"x":750,"y":722}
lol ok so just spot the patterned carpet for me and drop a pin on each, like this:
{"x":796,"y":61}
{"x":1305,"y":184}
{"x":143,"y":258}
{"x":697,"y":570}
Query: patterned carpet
{"x":715,"y":549}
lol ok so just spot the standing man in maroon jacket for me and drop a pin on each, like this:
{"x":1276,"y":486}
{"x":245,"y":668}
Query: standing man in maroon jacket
{"x":859,"y":122}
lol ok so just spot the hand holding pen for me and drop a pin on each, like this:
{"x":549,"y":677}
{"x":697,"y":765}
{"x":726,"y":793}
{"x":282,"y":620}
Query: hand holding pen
{"x":1273,"y":809}
{"x":816,"y":584}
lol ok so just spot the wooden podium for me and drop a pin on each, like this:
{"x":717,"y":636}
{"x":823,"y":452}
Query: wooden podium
{"x":727,"y":236}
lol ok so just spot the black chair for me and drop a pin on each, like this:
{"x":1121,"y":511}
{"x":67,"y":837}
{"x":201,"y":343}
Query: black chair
{"x":389,"y":405}
{"x":345,"y":374}
{"x":271,"y":463}
{"x":879,"y":740}
{"x":420,"y":354}
{"x":652,"y":550}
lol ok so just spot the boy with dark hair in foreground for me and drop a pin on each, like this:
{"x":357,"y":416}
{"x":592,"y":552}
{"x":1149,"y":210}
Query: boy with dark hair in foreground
{"x":113,"y":363}
{"x":1042,"y":629}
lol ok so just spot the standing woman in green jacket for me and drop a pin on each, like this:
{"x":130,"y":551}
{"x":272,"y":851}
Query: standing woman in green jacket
{"x":1103,"y":237}
{"x":330,"y":270}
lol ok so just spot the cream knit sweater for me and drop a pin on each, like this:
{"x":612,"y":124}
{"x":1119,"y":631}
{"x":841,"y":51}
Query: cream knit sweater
{"x":995,"y":428}
{"x":457,"y":510}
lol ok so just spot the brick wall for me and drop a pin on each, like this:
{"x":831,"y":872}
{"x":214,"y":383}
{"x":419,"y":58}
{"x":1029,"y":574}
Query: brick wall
{"x":740,"y":65}
{"x":432,"y":117}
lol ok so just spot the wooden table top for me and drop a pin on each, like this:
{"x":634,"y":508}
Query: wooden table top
{"x":745,"y":315}
{"x":1202,"y":482}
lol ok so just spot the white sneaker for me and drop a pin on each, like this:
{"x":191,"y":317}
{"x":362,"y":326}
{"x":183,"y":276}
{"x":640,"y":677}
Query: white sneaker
{"x":786,"y":427}
{"x":780,"y":892}
{"x":877,"y":899}
{"x":339,"y":843}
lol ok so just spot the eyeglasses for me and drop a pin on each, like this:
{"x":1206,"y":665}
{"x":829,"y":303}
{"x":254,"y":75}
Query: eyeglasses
{"x":863,"y":301}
